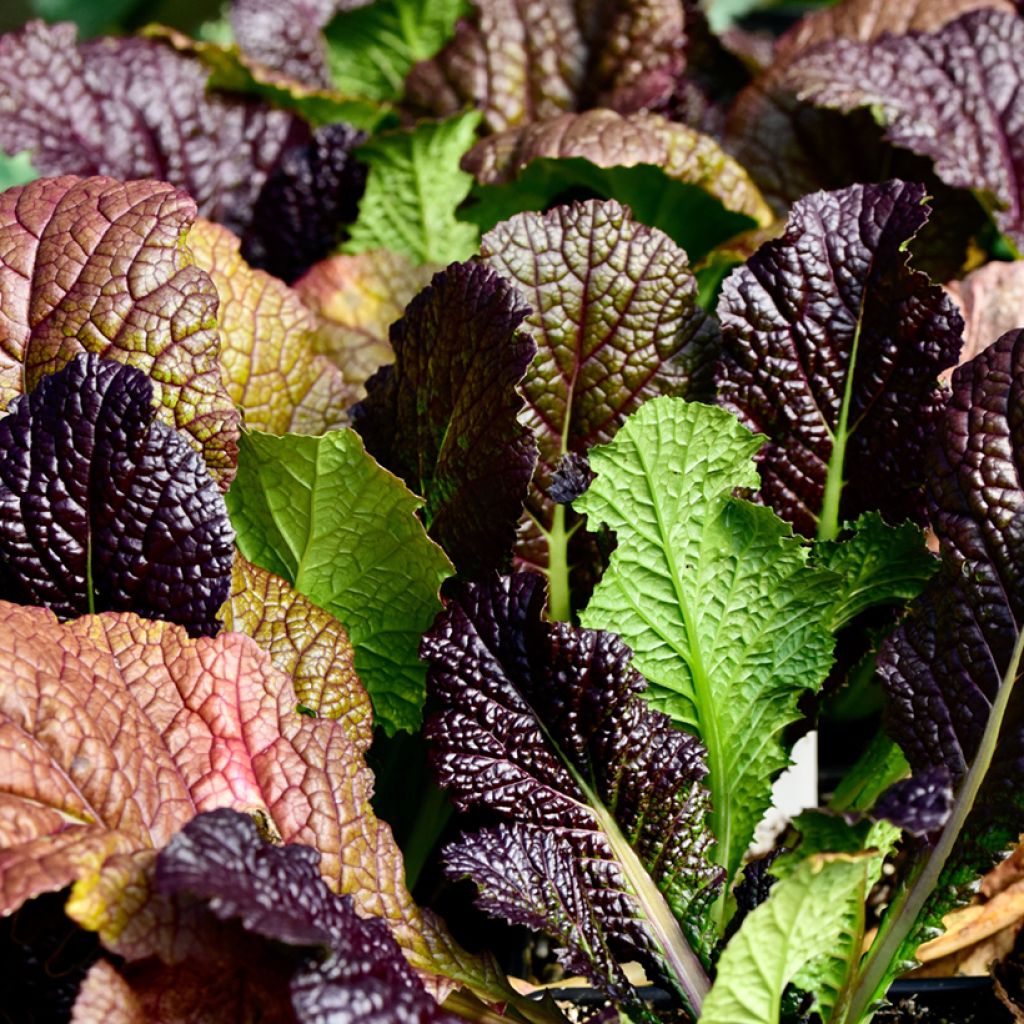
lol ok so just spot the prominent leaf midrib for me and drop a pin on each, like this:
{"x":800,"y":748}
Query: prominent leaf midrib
{"x":708,"y":722}
{"x":905,"y":910}
{"x":688,"y":970}
{"x":301,"y":583}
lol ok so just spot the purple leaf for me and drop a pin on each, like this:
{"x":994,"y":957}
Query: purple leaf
{"x":919,"y":805}
{"x":832,"y":346}
{"x":601,"y":799}
{"x":286,"y":34}
{"x":943,"y":667}
{"x":572,"y":475}
{"x":355,"y":973}
{"x":949,"y":669}
{"x":445,"y":417}
{"x":104,"y":509}
{"x":301,"y":212}
{"x":952,"y":95}
{"x":133,"y":108}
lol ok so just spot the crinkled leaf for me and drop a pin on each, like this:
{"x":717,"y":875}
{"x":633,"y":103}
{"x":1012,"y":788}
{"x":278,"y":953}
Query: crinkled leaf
{"x":101,"y":508}
{"x":132,"y":108}
{"x":518,"y":61}
{"x":867,"y":20}
{"x":277,"y":892}
{"x":878,"y":565}
{"x":991,"y":300}
{"x":832,"y":346}
{"x":356,"y":300}
{"x":372,"y":48}
{"x":608,"y":140}
{"x":344,"y":532}
{"x":789,"y":937}
{"x":602,"y":840}
{"x":919,"y":805}
{"x":195,"y":991}
{"x":16,"y":169}
{"x":412,"y":190}
{"x":305,"y":643}
{"x":791,"y":148}
{"x":616,"y":321}
{"x":444,"y":417}
{"x":287,"y":34}
{"x":945,"y":668}
{"x":689,"y":215}
{"x":714,"y":596}
{"x":270,"y":367}
{"x":98,"y":265}
{"x":232,"y":71}
{"x":115,"y":732}
{"x":106,"y":998}
{"x":303,"y":209}
{"x":951,"y":95}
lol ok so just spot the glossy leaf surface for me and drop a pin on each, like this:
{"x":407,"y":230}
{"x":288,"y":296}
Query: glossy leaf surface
{"x":602,"y":840}
{"x":104,"y":509}
{"x":132,"y":108}
{"x":444,"y":417}
{"x":268,"y":352}
{"x":832,"y":346}
{"x":97,"y":265}
{"x":714,"y":596}
{"x":950,"y":95}
{"x":319,"y":512}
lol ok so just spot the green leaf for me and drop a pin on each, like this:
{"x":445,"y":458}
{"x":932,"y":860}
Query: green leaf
{"x":714,"y":596}
{"x":881,"y":764}
{"x":91,"y":16}
{"x":412,"y":190}
{"x":233,"y":71}
{"x":806,"y":932}
{"x":687,"y":212}
{"x":16,"y":169}
{"x":321,"y":513}
{"x":370,"y":50}
{"x":879,"y":564}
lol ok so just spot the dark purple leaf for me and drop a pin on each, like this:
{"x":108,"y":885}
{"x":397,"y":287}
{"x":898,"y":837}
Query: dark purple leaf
{"x":952,"y":95}
{"x":102,"y":508}
{"x":615,"y":314}
{"x":444,"y":417}
{"x":133,"y":108}
{"x":355,"y":972}
{"x":791,"y":148}
{"x":831,"y":310}
{"x":520,"y":62}
{"x":600,"y":798}
{"x":286,"y":34}
{"x":572,"y":475}
{"x":946,"y":666}
{"x":919,"y":805}
{"x":301,"y":212}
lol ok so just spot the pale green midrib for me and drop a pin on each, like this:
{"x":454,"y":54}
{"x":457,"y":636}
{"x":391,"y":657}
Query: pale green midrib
{"x":704,"y":702}
{"x":557,"y":538}
{"x":686,"y":966}
{"x":903,"y":916}
{"x":89,"y":589}
{"x":845,"y":992}
{"x":828,"y":523}
{"x":301,"y":583}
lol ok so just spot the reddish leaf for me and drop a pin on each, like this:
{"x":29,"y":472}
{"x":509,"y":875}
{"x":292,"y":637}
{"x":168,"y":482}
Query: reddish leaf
{"x":97,"y":265}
